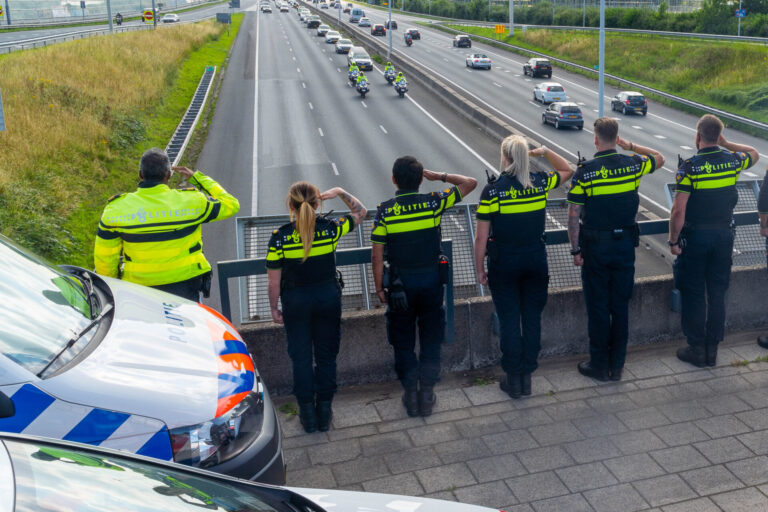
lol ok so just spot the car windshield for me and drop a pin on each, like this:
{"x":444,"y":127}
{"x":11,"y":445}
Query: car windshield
{"x":43,"y":307}
{"x":61,"y":478}
{"x":480,"y":56}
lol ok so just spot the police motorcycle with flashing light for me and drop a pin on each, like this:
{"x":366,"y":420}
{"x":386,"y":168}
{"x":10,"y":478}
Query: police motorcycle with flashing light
{"x":408,"y":38}
{"x":401,"y":85}
{"x":362,"y":85}
{"x":389,"y":73}
{"x":353,"y":73}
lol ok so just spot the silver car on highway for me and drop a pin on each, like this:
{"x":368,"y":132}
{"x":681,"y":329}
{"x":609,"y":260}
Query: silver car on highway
{"x":343,"y":45}
{"x":547,"y":92}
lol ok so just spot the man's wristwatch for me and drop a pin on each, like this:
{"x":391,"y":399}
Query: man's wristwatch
{"x":444,"y":176}
{"x":672,"y":244}
{"x":576,"y":251}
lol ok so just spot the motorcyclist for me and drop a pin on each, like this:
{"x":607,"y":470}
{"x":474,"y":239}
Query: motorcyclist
{"x":408,"y":38}
{"x":362,"y":80}
{"x":119,"y":18}
{"x":353,"y":68}
{"x":400,"y":79}
{"x":389,"y":68}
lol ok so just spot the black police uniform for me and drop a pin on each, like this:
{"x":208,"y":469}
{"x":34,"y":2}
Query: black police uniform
{"x":311,"y":300}
{"x":518,"y":274}
{"x":409,"y":226}
{"x":703,"y":270}
{"x":606,"y":187}
{"x":762,"y":208}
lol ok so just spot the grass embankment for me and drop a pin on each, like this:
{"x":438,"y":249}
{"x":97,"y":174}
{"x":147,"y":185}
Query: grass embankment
{"x":725,"y":75}
{"x":78,"y":117}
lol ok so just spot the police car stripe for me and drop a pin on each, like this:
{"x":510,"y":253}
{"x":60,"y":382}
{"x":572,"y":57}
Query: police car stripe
{"x":30,"y":403}
{"x":159,"y":446}
{"x":97,"y":426}
{"x":57,"y":420}
{"x":134,"y":433}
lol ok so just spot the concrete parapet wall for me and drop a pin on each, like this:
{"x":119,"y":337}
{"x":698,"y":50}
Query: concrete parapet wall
{"x":366,"y":356}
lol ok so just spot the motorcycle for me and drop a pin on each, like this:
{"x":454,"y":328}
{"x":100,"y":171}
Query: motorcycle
{"x":353,"y":76}
{"x":401,"y":88}
{"x":389,"y":75}
{"x":409,"y":42}
{"x":118,"y":19}
{"x":362,"y":88}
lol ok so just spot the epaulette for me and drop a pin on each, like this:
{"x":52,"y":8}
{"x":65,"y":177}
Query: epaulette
{"x":274,"y":231}
{"x":188,"y":189}
{"x":115,"y":197}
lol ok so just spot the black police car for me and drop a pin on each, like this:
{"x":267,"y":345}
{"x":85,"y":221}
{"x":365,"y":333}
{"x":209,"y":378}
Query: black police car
{"x":538,"y":67}
{"x":462,"y":41}
{"x":628,"y":102}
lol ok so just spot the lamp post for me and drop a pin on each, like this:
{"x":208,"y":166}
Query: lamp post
{"x":389,"y":29}
{"x":7,"y":13}
{"x":109,"y":16}
{"x":601,"y":62}
{"x":511,"y":17}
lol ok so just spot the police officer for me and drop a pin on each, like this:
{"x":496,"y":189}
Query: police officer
{"x":603,"y":233}
{"x":153,"y":236}
{"x":762,"y":208}
{"x":301,"y":272}
{"x":510,"y":230}
{"x":701,"y":236}
{"x":407,"y":228}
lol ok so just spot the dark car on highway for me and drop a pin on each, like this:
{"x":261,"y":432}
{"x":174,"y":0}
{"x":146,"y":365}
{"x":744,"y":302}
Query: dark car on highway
{"x":538,"y":67}
{"x":313,"y":22}
{"x":378,"y":30}
{"x":562,"y":114}
{"x":391,"y":25}
{"x":462,"y":41}
{"x":628,"y":102}
{"x":415,"y":34}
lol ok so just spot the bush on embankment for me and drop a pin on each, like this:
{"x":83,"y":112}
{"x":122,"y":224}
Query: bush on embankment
{"x":726,"y":75}
{"x":78,"y":117}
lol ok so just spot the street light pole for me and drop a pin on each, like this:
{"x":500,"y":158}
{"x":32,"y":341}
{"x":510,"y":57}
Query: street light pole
{"x":511,"y":17}
{"x":739,"y":32}
{"x":7,"y":13}
{"x":601,"y":62}
{"x":154,"y":15}
{"x":584,"y":14}
{"x":109,"y":17}
{"x":389,"y":29}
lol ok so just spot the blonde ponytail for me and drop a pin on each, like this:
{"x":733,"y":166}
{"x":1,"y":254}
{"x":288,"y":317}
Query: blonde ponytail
{"x":514,"y":149}
{"x":303,"y":199}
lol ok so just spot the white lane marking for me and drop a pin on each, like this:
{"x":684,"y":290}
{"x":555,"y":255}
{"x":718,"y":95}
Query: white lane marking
{"x":321,"y":132}
{"x":363,"y":104}
{"x":298,"y":70}
{"x":750,"y":174}
{"x":383,"y":129}
{"x":303,"y":85}
{"x":527,"y":79}
{"x":668,"y":169}
{"x":294,"y":58}
{"x":533,"y":103}
{"x":338,"y":69}
{"x":595,"y":110}
{"x":636,"y":127}
{"x":687,"y":148}
{"x":310,"y":106}
{"x":335,"y":170}
{"x":330,"y":59}
{"x":255,"y":170}
{"x":446,"y":60}
{"x":517,"y":76}
{"x":507,"y":71}
{"x":497,"y":85}
{"x":428,"y":50}
{"x":660,"y":136}
{"x":662,"y":207}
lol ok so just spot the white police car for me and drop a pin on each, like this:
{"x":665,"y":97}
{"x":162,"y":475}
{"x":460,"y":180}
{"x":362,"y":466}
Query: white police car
{"x":118,"y":365}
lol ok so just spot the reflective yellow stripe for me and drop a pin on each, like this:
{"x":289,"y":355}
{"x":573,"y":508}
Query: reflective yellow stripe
{"x":524,"y":207}
{"x":713,"y":184}
{"x":416,"y":225}
{"x":298,"y":253}
{"x":606,"y":190}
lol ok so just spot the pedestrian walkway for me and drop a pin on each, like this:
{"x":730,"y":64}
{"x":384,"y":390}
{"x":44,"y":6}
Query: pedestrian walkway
{"x":668,"y":437}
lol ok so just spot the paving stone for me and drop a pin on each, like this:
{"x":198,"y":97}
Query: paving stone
{"x":694,"y":376}
{"x":338,"y":451}
{"x":480,"y":426}
{"x":359,"y":470}
{"x":442,"y":417}
{"x":611,"y":403}
{"x":534,"y":401}
{"x":711,"y":480}
{"x":526,"y":418}
{"x":433,"y":434}
{"x":537,"y":487}
{"x":690,"y":391}
{"x":657,"y":382}
{"x":591,"y":450}
{"x":647,"y":417}
{"x":449,"y":399}
{"x":296,"y":458}
{"x":510,"y":441}
{"x":748,"y":352}
{"x":571,"y":503}
{"x":680,"y":458}
{"x":725,"y":449}
{"x":611,"y":388}
{"x":445,"y":477}
{"x":576,"y":394}
{"x":753,"y":471}
{"x":543,"y":459}
{"x":495,"y":468}
{"x":305,"y":440}
{"x":664,"y":490}
{"x":634,"y":467}
{"x":681,"y":411}
{"x":567,"y":380}
{"x":721,"y":426}
{"x":492,"y":494}
{"x":725,"y":405}
{"x":481,"y":395}
{"x":758,"y":379}
{"x":618,"y":497}
{"x":648,"y":397}
{"x":461,"y":450}
{"x":348,"y":433}
{"x":756,"y":441}
{"x":412,"y":460}
{"x":519,"y":508}
{"x":555,"y":433}
{"x":403,"y":424}
{"x":600,"y":426}
{"x":697,"y":505}
{"x":644,"y":369}
{"x":442,"y":495}
{"x":391,"y":409}
{"x":637,"y":442}
{"x":385,"y":443}
{"x":743,"y":500}
{"x":354,"y":414}
{"x":756,"y":398}
{"x":406,"y":484}
{"x":757,"y":419}
{"x":586,"y":476}
{"x":730,"y":384}
{"x":496,"y":408}
{"x":319,"y":477}
{"x":680,"y":433}
{"x":679,"y":367}
{"x":569,"y":410}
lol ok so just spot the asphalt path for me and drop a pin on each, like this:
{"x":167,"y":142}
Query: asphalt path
{"x":509,"y":94}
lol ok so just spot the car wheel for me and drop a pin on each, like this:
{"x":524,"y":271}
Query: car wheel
{"x":580,"y":127}
{"x":470,"y":45}
{"x":557,"y":124}
{"x":535,"y":98}
{"x":543,"y":119}
{"x":549,"y":75}
{"x":624,"y":110}
{"x":645,"y":112}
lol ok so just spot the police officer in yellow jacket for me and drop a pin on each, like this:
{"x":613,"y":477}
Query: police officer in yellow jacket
{"x":701,"y":236}
{"x":153,"y":236}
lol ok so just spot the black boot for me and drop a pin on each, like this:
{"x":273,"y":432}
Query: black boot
{"x":324,"y":415}
{"x":693,"y":355}
{"x":308,"y":417}
{"x":711,"y":355}
{"x":427,"y":401}
{"x":512,"y":385}
{"x":411,"y":402}
{"x":525,"y":384}
{"x":762,"y":341}
{"x":587,"y":370}
{"x":615,"y":374}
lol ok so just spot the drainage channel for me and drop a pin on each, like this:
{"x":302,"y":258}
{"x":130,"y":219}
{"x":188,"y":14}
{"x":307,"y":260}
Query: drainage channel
{"x":180,"y":139}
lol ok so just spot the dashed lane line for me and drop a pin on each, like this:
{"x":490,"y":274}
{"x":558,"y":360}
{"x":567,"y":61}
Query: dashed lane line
{"x":335,"y":170}
{"x":321,"y":132}
{"x":383,"y":129}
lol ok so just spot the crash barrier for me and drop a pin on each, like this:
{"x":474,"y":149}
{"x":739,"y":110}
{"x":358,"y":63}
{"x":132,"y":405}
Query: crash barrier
{"x":178,"y":143}
{"x":38,"y":42}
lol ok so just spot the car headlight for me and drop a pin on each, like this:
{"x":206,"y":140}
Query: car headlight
{"x":216,"y":441}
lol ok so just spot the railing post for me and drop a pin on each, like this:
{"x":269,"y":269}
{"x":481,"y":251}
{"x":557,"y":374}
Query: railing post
{"x":450,"y":325}
{"x":363,"y":274}
{"x":480,"y":287}
{"x":224,"y":293}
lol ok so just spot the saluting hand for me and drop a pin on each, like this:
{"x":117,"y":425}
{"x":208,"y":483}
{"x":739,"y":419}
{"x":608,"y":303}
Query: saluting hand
{"x":331,"y":193}
{"x":184,"y":171}
{"x":431,"y":175}
{"x":538,"y":152}
{"x":623,"y":143}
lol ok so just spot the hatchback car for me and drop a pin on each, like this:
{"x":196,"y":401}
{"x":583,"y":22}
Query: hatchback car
{"x":478,"y":60}
{"x":628,"y":102}
{"x":265,"y":8}
{"x":391,"y":25}
{"x":365,"y":22}
{"x":170,"y":18}
{"x":283,"y":7}
{"x":378,"y":30}
{"x":462,"y":41}
{"x":46,"y":475}
{"x":111,"y":363}
{"x":415,"y":34}
{"x":343,"y":45}
{"x":313,"y":21}
{"x":538,"y":67}
{"x":562,"y":114}
{"x":346,"y":10}
{"x":323,"y":5}
{"x":322,"y":30}
{"x":332,"y":36}
{"x":547,"y":92}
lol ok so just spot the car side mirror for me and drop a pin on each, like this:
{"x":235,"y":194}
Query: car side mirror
{"x":7,"y":408}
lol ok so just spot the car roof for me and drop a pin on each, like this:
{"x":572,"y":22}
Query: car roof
{"x":540,"y":58}
{"x":567,"y":104}
{"x":461,"y":35}
{"x":478,"y":55}
{"x":631,"y":93}
{"x":546,"y":84}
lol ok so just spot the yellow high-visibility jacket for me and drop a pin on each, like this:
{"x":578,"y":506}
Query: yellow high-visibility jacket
{"x":157,"y":231}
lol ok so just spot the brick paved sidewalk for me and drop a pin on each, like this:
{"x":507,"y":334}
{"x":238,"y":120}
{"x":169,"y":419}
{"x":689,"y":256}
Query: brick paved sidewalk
{"x":668,"y":437}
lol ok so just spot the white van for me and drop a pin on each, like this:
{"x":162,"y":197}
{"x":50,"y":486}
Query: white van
{"x":356,"y":14}
{"x":110,"y":363}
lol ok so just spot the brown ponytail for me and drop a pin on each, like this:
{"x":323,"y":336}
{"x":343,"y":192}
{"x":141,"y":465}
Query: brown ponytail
{"x":303,"y":199}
